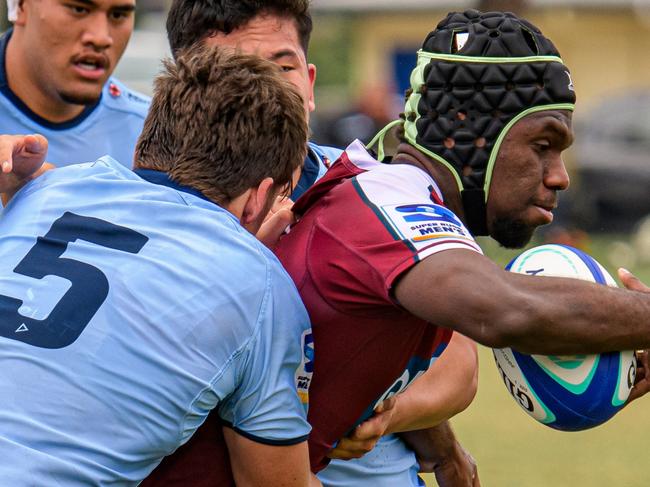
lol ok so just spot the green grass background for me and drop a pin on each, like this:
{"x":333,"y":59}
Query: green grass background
{"x":513,"y":450}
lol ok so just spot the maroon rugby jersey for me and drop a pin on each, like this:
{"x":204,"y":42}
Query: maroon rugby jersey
{"x":361,"y":226}
{"x":202,"y":462}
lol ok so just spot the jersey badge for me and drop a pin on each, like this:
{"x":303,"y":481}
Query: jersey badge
{"x":425,"y":222}
{"x":114,"y":90}
{"x":306,"y":369}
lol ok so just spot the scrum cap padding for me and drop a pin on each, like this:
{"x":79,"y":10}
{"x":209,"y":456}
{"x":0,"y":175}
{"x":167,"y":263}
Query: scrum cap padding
{"x":477,"y":74}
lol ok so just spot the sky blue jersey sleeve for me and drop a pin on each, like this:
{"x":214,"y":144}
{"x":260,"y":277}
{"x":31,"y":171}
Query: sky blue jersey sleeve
{"x":266,"y":406}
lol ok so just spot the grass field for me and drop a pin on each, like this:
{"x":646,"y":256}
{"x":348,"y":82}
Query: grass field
{"x":513,"y":450}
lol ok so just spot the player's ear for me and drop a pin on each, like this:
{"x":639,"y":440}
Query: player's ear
{"x":311,"y":70}
{"x":21,"y":15}
{"x":257,"y":204}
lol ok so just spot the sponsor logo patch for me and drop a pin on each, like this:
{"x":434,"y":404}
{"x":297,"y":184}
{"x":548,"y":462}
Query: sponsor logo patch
{"x":305,"y":370}
{"x":114,"y":90}
{"x":425,"y":222}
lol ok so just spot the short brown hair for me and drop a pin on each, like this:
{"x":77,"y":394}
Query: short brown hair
{"x":190,"y":21}
{"x":221,"y":121}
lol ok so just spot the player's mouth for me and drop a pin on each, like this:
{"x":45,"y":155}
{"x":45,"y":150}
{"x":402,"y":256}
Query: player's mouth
{"x":545,"y":211}
{"x":92,"y":67}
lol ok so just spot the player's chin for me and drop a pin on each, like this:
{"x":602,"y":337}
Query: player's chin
{"x":85,"y":95}
{"x":512,"y":233}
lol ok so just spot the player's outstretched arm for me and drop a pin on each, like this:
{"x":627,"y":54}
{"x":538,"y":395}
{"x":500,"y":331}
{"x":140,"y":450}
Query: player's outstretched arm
{"x":465,"y":291}
{"x":21,"y":159}
{"x":258,"y":465}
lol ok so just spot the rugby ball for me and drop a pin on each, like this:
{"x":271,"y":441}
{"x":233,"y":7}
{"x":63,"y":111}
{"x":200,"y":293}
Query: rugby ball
{"x":569,"y":393}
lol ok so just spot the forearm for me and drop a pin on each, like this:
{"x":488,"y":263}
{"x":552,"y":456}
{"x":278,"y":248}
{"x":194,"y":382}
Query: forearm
{"x":568,"y":316}
{"x":433,"y":446}
{"x":444,"y":390}
{"x":547,"y":315}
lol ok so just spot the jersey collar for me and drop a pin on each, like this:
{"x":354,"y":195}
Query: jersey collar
{"x":359,"y":156}
{"x":162,"y":178}
{"x":20,"y":105}
{"x":309,"y":174}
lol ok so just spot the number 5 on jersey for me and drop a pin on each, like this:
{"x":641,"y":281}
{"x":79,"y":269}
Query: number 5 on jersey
{"x":89,"y":286}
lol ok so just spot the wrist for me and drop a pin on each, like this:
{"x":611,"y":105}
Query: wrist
{"x":398,"y":419}
{"x":450,"y":453}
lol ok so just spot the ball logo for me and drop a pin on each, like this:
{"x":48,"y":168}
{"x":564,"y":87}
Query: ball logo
{"x":518,"y":386}
{"x":631,"y":375}
{"x":515,"y":391}
{"x":534,"y":272}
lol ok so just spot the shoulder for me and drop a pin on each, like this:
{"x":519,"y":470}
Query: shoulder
{"x":395,"y":183}
{"x":278,"y":282}
{"x":278,"y":292}
{"x":117,"y":96}
{"x":83,"y":175}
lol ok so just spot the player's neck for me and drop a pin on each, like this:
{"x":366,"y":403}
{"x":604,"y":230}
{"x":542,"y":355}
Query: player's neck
{"x":46,"y":105}
{"x":407,"y":154}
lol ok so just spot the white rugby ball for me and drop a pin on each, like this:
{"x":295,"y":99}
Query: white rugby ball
{"x":574,"y":392}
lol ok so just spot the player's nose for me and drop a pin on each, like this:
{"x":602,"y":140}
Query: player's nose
{"x":98,"y":33}
{"x":556,"y":176}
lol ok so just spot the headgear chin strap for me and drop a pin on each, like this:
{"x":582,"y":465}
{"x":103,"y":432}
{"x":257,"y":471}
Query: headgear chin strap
{"x":477,"y":75}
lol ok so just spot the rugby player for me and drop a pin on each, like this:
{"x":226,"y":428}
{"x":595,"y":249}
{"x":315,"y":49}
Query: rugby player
{"x":55,"y":78}
{"x":279,"y":31}
{"x":165,"y":306}
{"x":527,"y":171}
{"x":384,"y":255}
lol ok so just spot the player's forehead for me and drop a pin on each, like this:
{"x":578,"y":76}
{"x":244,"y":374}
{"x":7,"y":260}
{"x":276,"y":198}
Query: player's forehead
{"x":556,"y":123}
{"x":267,"y":35}
{"x":101,"y":4}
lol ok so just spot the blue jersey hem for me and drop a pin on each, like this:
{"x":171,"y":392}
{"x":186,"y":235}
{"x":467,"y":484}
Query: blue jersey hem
{"x":266,"y":441}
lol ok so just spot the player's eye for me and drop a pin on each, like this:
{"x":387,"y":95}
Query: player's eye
{"x":542,"y":145}
{"x":120,"y":15}
{"x":77,"y":9}
{"x":287,"y":68}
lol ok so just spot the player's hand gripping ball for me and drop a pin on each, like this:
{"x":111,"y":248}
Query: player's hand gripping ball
{"x":569,"y":393}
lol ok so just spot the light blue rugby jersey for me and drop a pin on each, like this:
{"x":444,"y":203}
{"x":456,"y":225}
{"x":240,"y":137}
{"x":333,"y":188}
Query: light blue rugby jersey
{"x":391,"y":463}
{"x":142,"y":309}
{"x":109,"y":127}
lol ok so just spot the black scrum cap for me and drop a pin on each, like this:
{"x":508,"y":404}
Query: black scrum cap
{"x":477,"y":75}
